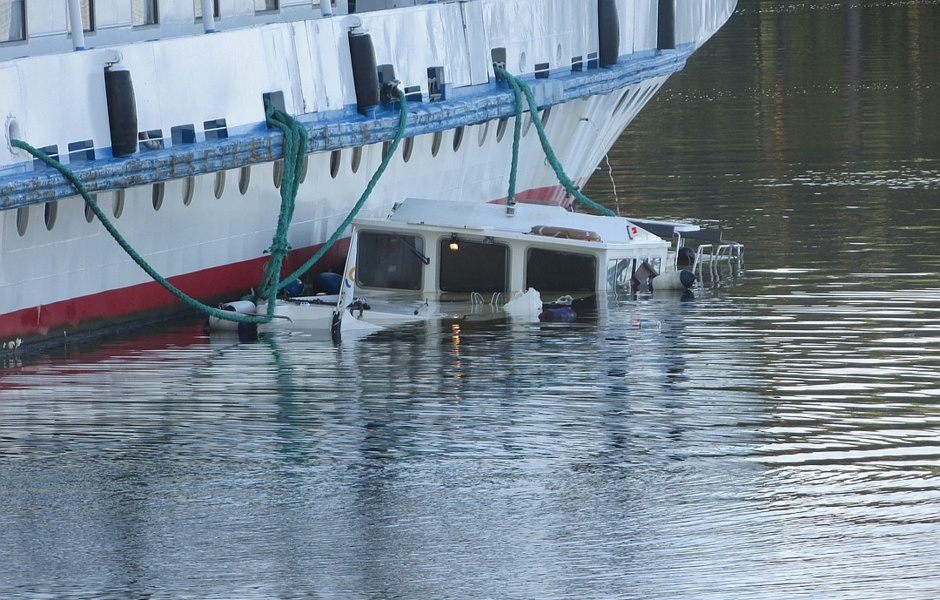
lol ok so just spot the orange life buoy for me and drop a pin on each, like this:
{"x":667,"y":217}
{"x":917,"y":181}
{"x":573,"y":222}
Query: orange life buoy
{"x":566,"y":233}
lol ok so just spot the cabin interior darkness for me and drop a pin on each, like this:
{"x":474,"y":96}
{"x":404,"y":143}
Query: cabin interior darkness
{"x":389,"y":261}
{"x":549,"y":270}
{"x":473,"y":266}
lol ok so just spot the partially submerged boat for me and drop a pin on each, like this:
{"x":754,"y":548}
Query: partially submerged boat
{"x":458,"y":259}
{"x":160,"y":109}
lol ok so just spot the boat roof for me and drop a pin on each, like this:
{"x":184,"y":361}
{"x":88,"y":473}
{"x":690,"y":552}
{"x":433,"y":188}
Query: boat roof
{"x":457,"y":216}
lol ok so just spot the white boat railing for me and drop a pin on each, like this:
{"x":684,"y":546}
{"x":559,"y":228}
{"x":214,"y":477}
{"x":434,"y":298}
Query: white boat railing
{"x":731,"y":253}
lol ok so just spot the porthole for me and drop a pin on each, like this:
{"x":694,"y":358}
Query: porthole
{"x":623,"y":98}
{"x":386,"y":147}
{"x":244,"y":179}
{"x":50,"y":211}
{"x":22,"y":220}
{"x":278,"y":173}
{"x":436,"y":142}
{"x":484,"y":129}
{"x":189,"y":187}
{"x":356,"y":159}
{"x":545,"y":115}
{"x":501,"y":129}
{"x":219,"y":186}
{"x":522,"y":63}
{"x":303,"y":170}
{"x":408,"y":148}
{"x":117,"y":204}
{"x":89,"y":211}
{"x":156,"y":196}
{"x":336,"y":157}
{"x":458,"y":138}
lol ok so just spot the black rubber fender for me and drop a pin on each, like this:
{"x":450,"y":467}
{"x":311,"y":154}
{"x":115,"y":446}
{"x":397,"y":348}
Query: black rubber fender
{"x":122,"y":111}
{"x":365,"y":70}
{"x":608,"y":32}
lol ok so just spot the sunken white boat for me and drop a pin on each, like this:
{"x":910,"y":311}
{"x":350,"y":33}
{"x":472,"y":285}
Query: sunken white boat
{"x":444,"y":259}
{"x":158,"y":108}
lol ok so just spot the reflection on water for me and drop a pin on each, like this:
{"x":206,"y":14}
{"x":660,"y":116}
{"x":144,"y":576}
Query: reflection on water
{"x":775,"y":436}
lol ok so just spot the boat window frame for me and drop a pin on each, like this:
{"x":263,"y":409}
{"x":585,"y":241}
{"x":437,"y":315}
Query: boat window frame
{"x":401,"y":255}
{"x":620,"y":271}
{"x":537,"y":278}
{"x":460,"y":272}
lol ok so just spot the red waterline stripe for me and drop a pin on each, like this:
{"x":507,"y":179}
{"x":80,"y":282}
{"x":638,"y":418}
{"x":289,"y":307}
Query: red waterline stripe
{"x":99,"y":309}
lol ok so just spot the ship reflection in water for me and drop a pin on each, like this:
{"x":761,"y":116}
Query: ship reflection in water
{"x":663,"y":446}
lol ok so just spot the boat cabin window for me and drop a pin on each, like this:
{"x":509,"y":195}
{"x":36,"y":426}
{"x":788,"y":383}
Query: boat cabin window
{"x":390,"y":260}
{"x":554,"y":271}
{"x":13,"y":20}
{"x":619,"y":272}
{"x":473,"y":266}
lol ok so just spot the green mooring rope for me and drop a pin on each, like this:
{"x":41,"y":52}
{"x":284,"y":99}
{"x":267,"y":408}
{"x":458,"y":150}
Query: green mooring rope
{"x":402,"y":122}
{"x":137,"y":258}
{"x":294,"y":153}
{"x":517,"y":135}
{"x":294,"y":145}
{"x":520,"y":87}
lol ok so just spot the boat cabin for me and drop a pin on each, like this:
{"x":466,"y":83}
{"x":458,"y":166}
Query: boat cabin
{"x":449,"y":250}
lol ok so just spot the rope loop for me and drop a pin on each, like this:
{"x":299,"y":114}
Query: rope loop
{"x":402,"y":124}
{"x":293,"y":155}
{"x":521,"y":88}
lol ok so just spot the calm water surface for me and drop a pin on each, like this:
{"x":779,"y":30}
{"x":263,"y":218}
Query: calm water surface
{"x":776,"y":436}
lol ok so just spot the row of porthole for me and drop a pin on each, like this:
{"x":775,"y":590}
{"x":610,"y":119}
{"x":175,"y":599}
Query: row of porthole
{"x":436,"y":141}
{"x":50,"y":212}
{"x":50,"y":209}
{"x":633,"y":97}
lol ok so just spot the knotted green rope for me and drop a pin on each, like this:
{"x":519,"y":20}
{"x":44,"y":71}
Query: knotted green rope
{"x":517,"y":136}
{"x":521,"y":87}
{"x":294,"y":153}
{"x":402,"y":122}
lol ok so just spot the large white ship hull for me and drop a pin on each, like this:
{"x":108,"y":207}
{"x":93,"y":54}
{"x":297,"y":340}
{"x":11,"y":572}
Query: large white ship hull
{"x":202,"y":211}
